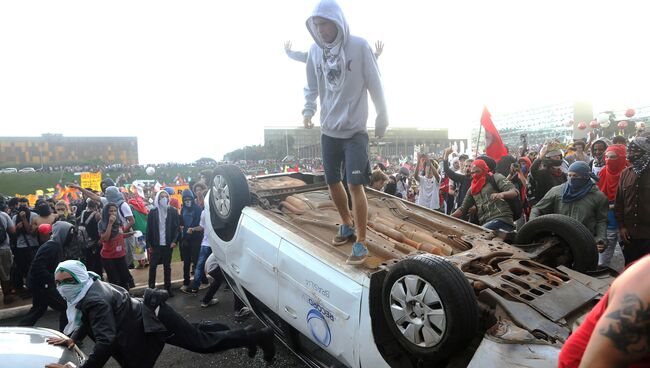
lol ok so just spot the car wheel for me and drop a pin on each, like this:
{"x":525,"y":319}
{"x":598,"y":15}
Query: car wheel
{"x":430,"y":307}
{"x":576,"y":246}
{"x":229,"y":195}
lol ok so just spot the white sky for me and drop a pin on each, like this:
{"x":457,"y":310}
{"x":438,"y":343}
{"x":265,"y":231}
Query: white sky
{"x":201,"y":78}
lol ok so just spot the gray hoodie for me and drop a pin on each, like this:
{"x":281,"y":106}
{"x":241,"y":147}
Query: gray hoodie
{"x":343,"y":98}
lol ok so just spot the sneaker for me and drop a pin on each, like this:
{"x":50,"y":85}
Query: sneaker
{"x":211,"y":302}
{"x":344,"y":234}
{"x":189,"y":290}
{"x":359,"y":254}
{"x":243,"y":314}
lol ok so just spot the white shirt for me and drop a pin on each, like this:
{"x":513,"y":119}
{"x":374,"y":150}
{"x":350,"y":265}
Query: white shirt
{"x":6,"y":223}
{"x":204,"y":242}
{"x":429,"y":196}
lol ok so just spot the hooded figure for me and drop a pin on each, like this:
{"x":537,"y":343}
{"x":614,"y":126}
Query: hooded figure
{"x":105,"y":183}
{"x":190,"y":213}
{"x":72,"y":293}
{"x":103,"y":224}
{"x":489,"y":161}
{"x":578,"y":186}
{"x":113,"y":195}
{"x":40,"y":279}
{"x":639,"y":154}
{"x":611,"y":173}
{"x":480,"y":178}
{"x":340,"y":72}
{"x":504,"y":165}
{"x":162,"y":235}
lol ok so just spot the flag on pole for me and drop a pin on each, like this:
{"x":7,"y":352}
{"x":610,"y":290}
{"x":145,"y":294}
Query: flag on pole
{"x":494,"y":146}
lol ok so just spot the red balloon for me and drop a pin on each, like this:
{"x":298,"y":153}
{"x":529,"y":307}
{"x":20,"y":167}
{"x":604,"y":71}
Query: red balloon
{"x":622,"y":124}
{"x":582,"y":125}
{"x":594,"y":124}
{"x":630,"y":112}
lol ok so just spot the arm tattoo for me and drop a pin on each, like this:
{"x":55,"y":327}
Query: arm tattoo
{"x":629,"y":329}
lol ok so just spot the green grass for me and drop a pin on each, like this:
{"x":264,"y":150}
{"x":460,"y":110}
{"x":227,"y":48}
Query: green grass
{"x":28,"y":183}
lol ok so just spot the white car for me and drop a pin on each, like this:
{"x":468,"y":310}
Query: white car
{"x":435,"y":291}
{"x":9,"y":170}
{"x":27,"y":170}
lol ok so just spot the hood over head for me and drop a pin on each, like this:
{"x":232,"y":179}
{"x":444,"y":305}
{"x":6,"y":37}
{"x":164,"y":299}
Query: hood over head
{"x":187,"y":194}
{"x":330,"y":10}
{"x":108,"y":182}
{"x":62,"y":232}
{"x":113,"y":195}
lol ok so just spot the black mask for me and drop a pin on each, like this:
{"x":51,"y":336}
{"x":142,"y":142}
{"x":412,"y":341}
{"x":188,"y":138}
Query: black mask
{"x":44,"y":210}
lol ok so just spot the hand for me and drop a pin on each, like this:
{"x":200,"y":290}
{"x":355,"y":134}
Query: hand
{"x":73,"y":186}
{"x":68,"y":342}
{"x":112,"y":219}
{"x":457,"y":214}
{"x":306,"y":121}
{"x":98,"y":216}
{"x":22,"y":214}
{"x":600,"y":246}
{"x":190,"y":230}
{"x":287,"y":46}
{"x":625,"y":234}
{"x":173,"y":245}
{"x":448,"y":152}
{"x":379,"y":48}
{"x":496,"y":197}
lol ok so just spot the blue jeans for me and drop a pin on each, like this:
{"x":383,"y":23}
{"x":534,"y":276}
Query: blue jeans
{"x":498,"y":225}
{"x":200,"y":267}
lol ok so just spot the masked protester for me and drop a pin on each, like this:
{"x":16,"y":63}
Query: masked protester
{"x":615,"y":163}
{"x":488,"y":193}
{"x":118,"y":324}
{"x":192,"y":235}
{"x":44,"y":216}
{"x":546,"y":171}
{"x":26,"y":242}
{"x":580,"y":199}
{"x":163,"y":225}
{"x":632,"y":207}
{"x":40,"y":278}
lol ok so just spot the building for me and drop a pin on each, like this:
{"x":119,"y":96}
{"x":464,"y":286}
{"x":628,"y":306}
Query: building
{"x":55,"y":149}
{"x":305,"y":143}
{"x":541,"y":124}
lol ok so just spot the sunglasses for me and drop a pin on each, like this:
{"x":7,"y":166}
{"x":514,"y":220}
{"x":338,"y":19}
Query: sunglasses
{"x":68,"y":281}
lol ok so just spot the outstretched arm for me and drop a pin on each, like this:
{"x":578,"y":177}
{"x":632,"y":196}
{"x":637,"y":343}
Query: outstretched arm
{"x":295,"y":55}
{"x":310,"y":93}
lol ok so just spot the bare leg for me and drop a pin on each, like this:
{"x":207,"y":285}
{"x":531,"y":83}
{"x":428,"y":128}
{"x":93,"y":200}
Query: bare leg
{"x":340,"y":199}
{"x":360,"y":209}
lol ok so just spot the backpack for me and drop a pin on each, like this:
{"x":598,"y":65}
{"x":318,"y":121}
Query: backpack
{"x":515,"y":204}
{"x":81,"y":236}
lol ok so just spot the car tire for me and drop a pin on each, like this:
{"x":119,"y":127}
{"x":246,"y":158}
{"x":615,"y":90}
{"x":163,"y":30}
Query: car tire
{"x":229,"y":195}
{"x":573,"y":235}
{"x":441,"y":319}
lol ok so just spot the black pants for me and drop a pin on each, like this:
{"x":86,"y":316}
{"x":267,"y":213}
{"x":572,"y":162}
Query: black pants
{"x":93,"y":259}
{"x":204,"y":337}
{"x":160,"y":255}
{"x":117,"y":272}
{"x":190,"y":249}
{"x":22,"y":261}
{"x":41,"y":299}
{"x":219,"y":279}
{"x":635,"y":249}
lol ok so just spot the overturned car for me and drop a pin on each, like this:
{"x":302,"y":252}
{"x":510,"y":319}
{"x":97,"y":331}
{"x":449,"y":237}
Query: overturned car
{"x":435,"y":290}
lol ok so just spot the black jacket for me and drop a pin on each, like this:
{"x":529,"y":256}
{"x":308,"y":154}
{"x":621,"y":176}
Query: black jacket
{"x":120,"y":326}
{"x":461,"y":182}
{"x":48,"y":256}
{"x":171,"y":230}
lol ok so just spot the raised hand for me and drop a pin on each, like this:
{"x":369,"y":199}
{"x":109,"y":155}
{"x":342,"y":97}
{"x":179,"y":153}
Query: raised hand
{"x":379,"y":48}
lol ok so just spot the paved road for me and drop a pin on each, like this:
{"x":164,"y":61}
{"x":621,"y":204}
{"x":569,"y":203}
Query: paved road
{"x":189,"y":307}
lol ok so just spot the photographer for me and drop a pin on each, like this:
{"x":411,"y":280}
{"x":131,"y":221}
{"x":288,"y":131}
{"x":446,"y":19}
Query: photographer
{"x":26,"y":242}
{"x":90,"y":218}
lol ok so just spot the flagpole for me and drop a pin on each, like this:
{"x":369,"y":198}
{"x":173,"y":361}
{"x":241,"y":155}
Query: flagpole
{"x":478,"y":139}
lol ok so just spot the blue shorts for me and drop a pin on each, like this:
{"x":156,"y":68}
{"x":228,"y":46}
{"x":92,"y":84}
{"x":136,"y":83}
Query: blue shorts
{"x":349,"y":154}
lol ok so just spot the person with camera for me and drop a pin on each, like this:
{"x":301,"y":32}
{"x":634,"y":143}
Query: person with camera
{"x":25,"y":242}
{"x":89,"y":219}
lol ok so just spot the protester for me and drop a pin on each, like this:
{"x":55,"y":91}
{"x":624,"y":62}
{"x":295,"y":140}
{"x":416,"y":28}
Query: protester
{"x":343,"y":90}
{"x":134,"y":331}
{"x":192,"y":234}
{"x":428,"y":178}
{"x":63,"y":213}
{"x":378,"y":180}
{"x":163,"y":225}
{"x":615,"y":163}
{"x":391,"y":186}
{"x":204,"y":253}
{"x":489,"y":192}
{"x":45,"y":216}
{"x":462,"y":180}
{"x":90,"y":218}
{"x":580,"y":199}
{"x":40,"y":279}
{"x":632,"y":207}
{"x":7,"y":228}
{"x":402,"y":183}
{"x":26,"y":242}
{"x":598,"y":148}
{"x":546,"y":172}
{"x":242,"y":312}
{"x":113,"y":251}
{"x":614,"y":333}
{"x":580,"y":154}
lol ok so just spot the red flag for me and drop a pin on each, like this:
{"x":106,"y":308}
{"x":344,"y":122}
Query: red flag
{"x":494,"y":146}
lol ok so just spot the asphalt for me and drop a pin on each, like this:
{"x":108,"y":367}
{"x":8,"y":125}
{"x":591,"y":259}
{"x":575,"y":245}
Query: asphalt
{"x":189,"y":307}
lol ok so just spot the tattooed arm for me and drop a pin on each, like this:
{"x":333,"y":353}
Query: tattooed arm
{"x":622,"y":335}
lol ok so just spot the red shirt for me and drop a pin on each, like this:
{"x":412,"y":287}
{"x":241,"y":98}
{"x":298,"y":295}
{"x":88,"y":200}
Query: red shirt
{"x":114,"y":247}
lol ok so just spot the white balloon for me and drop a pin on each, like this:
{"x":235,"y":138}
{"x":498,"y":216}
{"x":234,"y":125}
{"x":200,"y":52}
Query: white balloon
{"x":150,"y":171}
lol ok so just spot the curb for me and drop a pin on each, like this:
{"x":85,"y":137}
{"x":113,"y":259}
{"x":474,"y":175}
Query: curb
{"x":138,"y":291}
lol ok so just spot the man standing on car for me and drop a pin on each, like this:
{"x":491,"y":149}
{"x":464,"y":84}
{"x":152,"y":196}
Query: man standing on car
{"x":341,"y":70}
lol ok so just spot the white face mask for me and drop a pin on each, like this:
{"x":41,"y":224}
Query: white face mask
{"x":69,"y":291}
{"x":164,"y":202}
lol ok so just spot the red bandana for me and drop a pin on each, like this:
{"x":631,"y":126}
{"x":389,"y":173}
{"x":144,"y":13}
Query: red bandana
{"x":611,"y":173}
{"x":479,"y":179}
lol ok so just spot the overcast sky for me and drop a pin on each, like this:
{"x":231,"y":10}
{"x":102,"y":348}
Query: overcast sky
{"x":200,"y":78}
